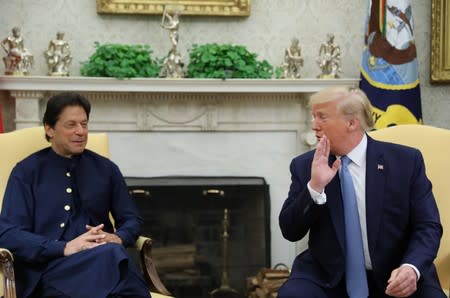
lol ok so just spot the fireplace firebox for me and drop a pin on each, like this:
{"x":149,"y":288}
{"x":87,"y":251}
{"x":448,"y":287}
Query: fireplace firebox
{"x":210,"y":233}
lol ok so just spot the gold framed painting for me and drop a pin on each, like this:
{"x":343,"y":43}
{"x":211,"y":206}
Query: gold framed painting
{"x":440,"y":39}
{"x":185,"y":7}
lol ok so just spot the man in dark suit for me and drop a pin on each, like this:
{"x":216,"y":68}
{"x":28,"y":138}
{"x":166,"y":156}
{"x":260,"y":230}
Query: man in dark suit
{"x":399,"y":227}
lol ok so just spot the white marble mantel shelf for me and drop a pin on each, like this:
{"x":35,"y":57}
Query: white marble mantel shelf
{"x":90,"y":84}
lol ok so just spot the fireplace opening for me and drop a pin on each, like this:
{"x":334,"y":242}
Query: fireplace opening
{"x":210,"y":233}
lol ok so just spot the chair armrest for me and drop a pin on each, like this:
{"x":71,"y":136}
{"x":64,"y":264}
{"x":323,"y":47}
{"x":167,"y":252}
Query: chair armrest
{"x":144,"y":246}
{"x":9,"y":283}
{"x":446,"y":291}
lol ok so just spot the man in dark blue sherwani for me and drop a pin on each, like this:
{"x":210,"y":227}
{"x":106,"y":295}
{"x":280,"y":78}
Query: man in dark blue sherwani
{"x":55,"y":215}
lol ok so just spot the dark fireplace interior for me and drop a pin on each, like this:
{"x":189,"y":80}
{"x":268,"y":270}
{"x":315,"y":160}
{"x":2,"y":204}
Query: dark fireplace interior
{"x":210,"y":233}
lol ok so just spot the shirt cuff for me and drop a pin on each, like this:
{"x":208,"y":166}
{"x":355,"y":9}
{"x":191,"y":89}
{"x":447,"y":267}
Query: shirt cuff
{"x":415,"y":269}
{"x":318,"y":198}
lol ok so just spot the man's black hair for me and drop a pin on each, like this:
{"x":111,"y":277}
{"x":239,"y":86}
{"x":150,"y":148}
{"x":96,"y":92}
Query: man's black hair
{"x":58,"y":102}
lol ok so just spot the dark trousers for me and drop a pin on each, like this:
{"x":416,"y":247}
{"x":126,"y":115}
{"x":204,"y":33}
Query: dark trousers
{"x":303,"y":288}
{"x":104,"y":271}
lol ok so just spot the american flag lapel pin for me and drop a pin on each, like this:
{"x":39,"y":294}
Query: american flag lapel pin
{"x":380,"y":167}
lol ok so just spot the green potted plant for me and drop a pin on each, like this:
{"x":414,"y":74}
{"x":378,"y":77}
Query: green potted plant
{"x":223,"y":61}
{"x":121,"y":61}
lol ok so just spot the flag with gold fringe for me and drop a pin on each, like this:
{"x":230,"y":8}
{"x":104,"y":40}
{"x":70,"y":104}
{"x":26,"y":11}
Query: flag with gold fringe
{"x":389,"y":66}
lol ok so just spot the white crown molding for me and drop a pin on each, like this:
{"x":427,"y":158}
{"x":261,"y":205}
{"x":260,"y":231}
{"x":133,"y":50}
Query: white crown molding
{"x":45,"y":83}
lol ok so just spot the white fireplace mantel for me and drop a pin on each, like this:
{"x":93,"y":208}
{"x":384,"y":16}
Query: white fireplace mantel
{"x":170,"y":104}
{"x":91,"y":84}
{"x":189,"y":127}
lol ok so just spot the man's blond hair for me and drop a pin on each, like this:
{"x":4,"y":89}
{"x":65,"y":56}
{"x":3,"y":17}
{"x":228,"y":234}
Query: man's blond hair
{"x":352,"y":101}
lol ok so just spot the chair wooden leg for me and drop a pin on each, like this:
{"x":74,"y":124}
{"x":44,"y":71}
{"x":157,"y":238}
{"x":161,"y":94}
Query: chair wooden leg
{"x":150,"y":270}
{"x":9,"y":283}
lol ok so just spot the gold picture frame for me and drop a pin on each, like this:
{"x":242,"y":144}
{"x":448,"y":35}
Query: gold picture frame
{"x":186,"y":7}
{"x":440,"y":41}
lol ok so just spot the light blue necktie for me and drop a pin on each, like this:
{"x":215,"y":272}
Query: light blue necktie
{"x":355,"y":271}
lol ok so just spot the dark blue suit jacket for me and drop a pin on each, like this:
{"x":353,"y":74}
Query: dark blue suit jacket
{"x":403,"y":224}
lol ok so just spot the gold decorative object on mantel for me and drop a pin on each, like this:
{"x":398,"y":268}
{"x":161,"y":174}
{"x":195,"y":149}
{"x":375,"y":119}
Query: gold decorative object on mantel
{"x":293,"y":60}
{"x":58,"y":56}
{"x":172,"y":66}
{"x":18,"y":60}
{"x":191,"y":7}
{"x":440,"y":38}
{"x":329,"y":59}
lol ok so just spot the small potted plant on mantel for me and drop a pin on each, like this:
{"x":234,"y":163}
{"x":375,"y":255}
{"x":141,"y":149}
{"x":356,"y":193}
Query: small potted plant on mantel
{"x":208,"y":61}
{"x":225,"y":61}
{"x":121,"y":61}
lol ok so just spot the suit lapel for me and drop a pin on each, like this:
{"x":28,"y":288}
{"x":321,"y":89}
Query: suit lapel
{"x":375,"y":184}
